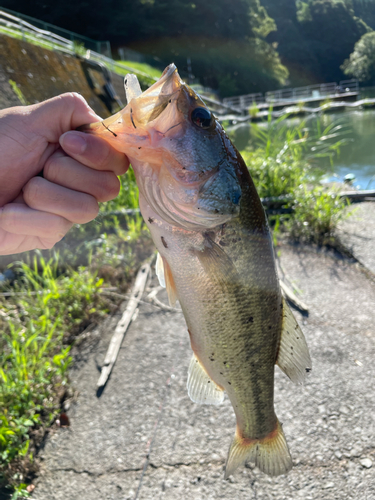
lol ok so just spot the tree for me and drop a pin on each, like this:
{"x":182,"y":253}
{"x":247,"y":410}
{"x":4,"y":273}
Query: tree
{"x":314,"y":37}
{"x":361,"y":63}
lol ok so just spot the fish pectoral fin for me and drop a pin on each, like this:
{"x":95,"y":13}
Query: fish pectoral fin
{"x":132,"y":87}
{"x":164,"y":274}
{"x":293,"y":356}
{"x":216,"y":263}
{"x":201,"y":388}
{"x":270,"y":454}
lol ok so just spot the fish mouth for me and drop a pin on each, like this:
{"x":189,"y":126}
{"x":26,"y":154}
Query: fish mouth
{"x":142,"y":108}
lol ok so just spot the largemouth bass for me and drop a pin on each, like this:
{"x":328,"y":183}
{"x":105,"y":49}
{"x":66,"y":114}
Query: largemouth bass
{"x":216,"y":257}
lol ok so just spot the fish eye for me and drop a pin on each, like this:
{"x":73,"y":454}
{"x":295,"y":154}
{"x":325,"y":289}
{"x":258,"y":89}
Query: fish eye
{"x":201,"y":117}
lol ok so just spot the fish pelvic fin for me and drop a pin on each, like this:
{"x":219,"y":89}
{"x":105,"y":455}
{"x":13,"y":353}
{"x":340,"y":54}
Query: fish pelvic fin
{"x":165,"y":277}
{"x":270,"y":454}
{"x":201,"y":388}
{"x":293,"y":357}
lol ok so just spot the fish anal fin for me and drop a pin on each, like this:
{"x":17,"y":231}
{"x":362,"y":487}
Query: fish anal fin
{"x":270,"y":454}
{"x":293,"y":356}
{"x":201,"y":388}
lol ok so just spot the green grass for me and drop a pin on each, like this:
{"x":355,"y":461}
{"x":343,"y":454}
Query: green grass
{"x":282,"y":163}
{"x":36,"y":324}
{"x":18,"y":92}
{"x":138,"y":66}
{"x":42,"y":315}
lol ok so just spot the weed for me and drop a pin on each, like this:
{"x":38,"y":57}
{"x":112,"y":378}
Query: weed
{"x":253,"y":110}
{"x":282,"y":163}
{"x":18,"y":92}
{"x":316,"y":215}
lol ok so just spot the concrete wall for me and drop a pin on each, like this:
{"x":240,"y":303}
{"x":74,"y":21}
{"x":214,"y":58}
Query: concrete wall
{"x":41,"y":74}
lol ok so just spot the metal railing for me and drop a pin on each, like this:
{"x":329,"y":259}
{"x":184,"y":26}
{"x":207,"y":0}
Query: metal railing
{"x":312,"y":91}
{"x":309,"y":92}
{"x":47,"y":29}
{"x":17,"y":27}
{"x":244,"y":101}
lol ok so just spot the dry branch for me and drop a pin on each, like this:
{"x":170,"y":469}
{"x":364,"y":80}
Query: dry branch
{"x":123,"y":324}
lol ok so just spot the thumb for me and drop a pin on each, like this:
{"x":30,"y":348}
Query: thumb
{"x":58,"y":115}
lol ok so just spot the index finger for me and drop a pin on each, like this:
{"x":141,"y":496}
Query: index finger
{"x":93,"y":152}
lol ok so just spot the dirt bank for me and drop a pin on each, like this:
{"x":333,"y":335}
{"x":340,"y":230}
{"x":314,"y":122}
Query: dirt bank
{"x":40,"y":74}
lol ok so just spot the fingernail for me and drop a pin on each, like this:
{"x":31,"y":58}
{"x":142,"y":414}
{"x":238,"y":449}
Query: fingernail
{"x":74,"y":143}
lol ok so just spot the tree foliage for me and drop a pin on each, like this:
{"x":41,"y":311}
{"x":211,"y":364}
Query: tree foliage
{"x":223,"y":39}
{"x":314,"y":37}
{"x":238,"y":47}
{"x":361,"y":63}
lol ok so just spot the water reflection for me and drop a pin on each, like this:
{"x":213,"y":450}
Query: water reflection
{"x":357,"y":157}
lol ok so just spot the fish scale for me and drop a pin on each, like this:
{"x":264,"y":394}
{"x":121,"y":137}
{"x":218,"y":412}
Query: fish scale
{"x":216,"y":257}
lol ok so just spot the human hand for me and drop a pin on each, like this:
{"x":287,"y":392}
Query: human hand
{"x":79,"y":170}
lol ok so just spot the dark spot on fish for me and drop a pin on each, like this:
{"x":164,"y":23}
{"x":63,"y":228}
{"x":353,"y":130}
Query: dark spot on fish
{"x":291,"y":347}
{"x":183,"y":168}
{"x":216,"y":211}
{"x":139,"y":147}
{"x":250,"y":320}
{"x":230,"y":383}
{"x":297,"y":338}
{"x":105,"y":126}
{"x":222,"y":372}
{"x":164,"y":242}
{"x":208,"y":381}
{"x":170,"y":100}
{"x":270,"y":327}
{"x":222,"y":243}
{"x":131,"y":117}
{"x":308,"y":370}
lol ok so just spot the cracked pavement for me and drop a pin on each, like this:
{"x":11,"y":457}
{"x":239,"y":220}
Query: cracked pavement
{"x":144,"y":438}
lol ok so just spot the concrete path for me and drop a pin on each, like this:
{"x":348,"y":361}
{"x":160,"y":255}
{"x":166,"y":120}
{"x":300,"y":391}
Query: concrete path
{"x":144,"y":438}
{"x":358,"y":233}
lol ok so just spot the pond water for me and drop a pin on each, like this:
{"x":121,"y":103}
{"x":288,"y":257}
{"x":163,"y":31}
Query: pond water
{"x":357,"y":157}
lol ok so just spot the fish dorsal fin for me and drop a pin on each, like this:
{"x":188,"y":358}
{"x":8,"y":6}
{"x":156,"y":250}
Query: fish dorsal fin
{"x":293,"y":356}
{"x":132,"y":87}
{"x":201,"y":388}
{"x":164,"y":274}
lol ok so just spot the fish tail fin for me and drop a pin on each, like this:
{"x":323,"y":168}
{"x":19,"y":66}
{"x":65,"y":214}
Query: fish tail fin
{"x":270,"y":454}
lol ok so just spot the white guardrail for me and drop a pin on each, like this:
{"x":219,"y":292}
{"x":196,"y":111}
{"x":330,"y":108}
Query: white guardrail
{"x":16,"y":27}
{"x":309,"y":92}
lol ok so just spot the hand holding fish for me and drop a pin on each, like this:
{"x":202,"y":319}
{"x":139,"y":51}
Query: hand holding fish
{"x":78,"y":172}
